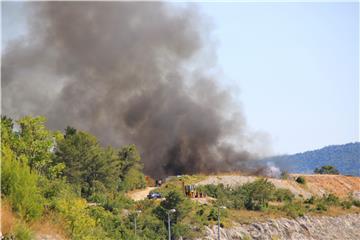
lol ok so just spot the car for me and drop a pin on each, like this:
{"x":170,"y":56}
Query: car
{"x":154,"y":195}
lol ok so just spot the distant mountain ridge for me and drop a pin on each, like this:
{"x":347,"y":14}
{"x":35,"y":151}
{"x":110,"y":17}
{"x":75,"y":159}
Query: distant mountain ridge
{"x":346,"y":158}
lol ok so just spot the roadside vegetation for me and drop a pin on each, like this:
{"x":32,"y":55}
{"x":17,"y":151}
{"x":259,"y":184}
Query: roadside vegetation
{"x":262,"y":196}
{"x":71,"y":182}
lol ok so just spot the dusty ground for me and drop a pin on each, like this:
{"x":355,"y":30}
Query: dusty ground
{"x":315,"y":184}
{"x":337,"y":184}
{"x":140,"y":194}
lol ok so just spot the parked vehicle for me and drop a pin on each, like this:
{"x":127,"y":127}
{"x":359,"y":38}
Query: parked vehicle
{"x":154,"y":195}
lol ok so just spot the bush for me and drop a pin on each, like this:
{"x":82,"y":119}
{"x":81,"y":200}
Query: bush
{"x":151,"y":228}
{"x":119,"y":202}
{"x":215,"y":191}
{"x":173,"y":200}
{"x":134,"y":179}
{"x":330,"y":199}
{"x":257,"y":194}
{"x":310,"y":200}
{"x":300,"y":180}
{"x":182,"y":230}
{"x":346,"y":204}
{"x":19,"y":185}
{"x":80,"y":225}
{"x":238,"y":203}
{"x":212,"y":215}
{"x":22,"y":232}
{"x":321,"y":207}
{"x":283,"y":194}
{"x":294,"y":209}
{"x":114,"y":227}
{"x":253,"y":196}
{"x":326,"y":170}
{"x":356,"y":202}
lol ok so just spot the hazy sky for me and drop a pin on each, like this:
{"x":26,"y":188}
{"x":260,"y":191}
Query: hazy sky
{"x":296,"y":65}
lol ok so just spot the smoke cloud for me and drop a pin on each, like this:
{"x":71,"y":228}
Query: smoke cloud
{"x":142,"y":73}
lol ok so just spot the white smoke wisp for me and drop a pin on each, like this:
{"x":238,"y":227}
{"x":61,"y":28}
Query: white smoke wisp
{"x":272,"y":171}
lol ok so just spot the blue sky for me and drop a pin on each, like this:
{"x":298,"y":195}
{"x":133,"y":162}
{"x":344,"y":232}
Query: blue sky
{"x":296,"y":65}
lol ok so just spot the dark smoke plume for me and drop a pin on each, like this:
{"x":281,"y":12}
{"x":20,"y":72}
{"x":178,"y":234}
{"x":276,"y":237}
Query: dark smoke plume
{"x":139,"y":73}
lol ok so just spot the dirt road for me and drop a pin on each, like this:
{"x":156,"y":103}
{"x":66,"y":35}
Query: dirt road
{"x":140,"y":194}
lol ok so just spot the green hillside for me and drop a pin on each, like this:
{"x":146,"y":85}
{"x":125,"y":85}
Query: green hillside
{"x":346,"y":158}
{"x":67,"y":183}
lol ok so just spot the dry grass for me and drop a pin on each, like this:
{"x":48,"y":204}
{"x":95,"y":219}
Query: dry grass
{"x":334,"y":211}
{"x":246,"y":216}
{"x":50,"y":224}
{"x":8,"y":218}
{"x":337,"y":184}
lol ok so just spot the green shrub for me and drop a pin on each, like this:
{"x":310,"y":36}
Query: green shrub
{"x":19,"y":185}
{"x":326,"y":170}
{"x":182,"y":230}
{"x":215,"y":191}
{"x":283,"y":194}
{"x":330,"y":199}
{"x":79,"y":223}
{"x":346,"y":204}
{"x":119,"y":202}
{"x":213,"y":215}
{"x":294,"y":209}
{"x":151,"y":228}
{"x":252,"y":196}
{"x":22,"y":232}
{"x":356,"y":202}
{"x":300,"y":180}
{"x":321,"y":207}
{"x":112,"y":224}
{"x":134,"y":179}
{"x":310,"y":200}
{"x":257,"y":194}
{"x":173,"y":200}
{"x":238,"y":203}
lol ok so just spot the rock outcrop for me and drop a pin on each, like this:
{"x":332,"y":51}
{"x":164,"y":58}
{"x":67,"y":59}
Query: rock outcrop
{"x":346,"y":227}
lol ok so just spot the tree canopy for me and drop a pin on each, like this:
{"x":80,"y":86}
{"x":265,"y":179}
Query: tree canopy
{"x":326,"y":170}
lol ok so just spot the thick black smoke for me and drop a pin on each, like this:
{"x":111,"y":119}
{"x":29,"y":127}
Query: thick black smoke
{"x":129,"y":73}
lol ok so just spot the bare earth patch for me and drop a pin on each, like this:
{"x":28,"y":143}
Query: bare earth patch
{"x":139,"y":194}
{"x":315,"y":184}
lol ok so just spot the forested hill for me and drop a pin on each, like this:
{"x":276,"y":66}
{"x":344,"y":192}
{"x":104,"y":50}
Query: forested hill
{"x":346,"y":158}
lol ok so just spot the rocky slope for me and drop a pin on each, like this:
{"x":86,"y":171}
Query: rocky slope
{"x":344,"y":227}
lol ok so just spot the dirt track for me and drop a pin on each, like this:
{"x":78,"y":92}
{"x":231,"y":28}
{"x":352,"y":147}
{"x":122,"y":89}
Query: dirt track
{"x":140,"y":194}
